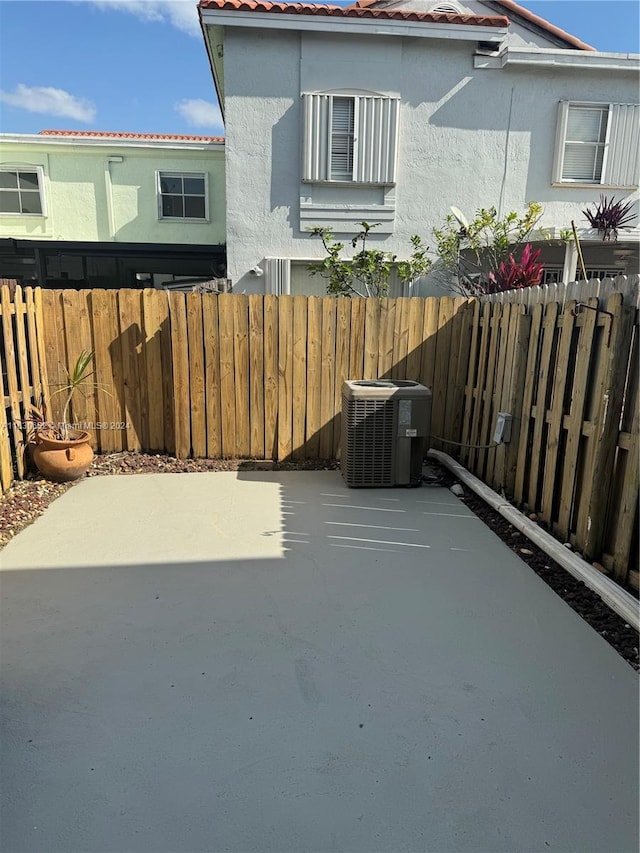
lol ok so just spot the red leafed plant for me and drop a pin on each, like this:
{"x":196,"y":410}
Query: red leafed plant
{"x":515,"y":275}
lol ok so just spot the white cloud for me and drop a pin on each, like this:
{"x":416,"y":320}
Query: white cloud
{"x":182,"y":14}
{"x":200,"y":113}
{"x":49,"y":101}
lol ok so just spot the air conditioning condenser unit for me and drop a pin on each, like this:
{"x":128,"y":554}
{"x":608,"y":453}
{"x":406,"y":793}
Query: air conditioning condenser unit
{"x":385,"y":425}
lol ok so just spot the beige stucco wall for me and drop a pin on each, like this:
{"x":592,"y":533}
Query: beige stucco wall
{"x":88,"y":198}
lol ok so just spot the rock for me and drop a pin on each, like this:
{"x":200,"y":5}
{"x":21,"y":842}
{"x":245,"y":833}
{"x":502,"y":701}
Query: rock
{"x":533,"y":516}
{"x":457,"y":490}
{"x":599,"y":567}
{"x":568,"y":545}
{"x":526,"y":552}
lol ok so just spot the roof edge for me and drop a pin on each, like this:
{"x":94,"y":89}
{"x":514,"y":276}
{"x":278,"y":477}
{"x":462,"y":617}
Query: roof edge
{"x":126,"y":135}
{"x":354,"y":11}
{"x":511,"y":6}
{"x":516,"y":9}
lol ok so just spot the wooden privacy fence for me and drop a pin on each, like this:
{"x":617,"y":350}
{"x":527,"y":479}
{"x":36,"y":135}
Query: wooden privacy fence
{"x":545,"y":293}
{"x":260,"y":376}
{"x":569,"y":377}
{"x":24,"y":380}
{"x":246,"y":376}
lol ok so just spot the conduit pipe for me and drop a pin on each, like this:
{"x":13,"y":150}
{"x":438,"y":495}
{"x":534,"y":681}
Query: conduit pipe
{"x":614,"y":596}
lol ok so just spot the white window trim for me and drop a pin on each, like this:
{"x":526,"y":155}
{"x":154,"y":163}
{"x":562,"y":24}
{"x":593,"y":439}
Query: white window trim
{"x":28,"y":167}
{"x":559,"y":151}
{"x":182,"y":174}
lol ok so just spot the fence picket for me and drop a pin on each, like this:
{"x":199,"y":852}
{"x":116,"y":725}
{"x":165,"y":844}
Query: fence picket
{"x":371,"y":339}
{"x":314,"y":369}
{"x":327,"y":378}
{"x":227,"y":376}
{"x":130,"y":342}
{"x":385,"y":337}
{"x":515,"y":400}
{"x":400,"y":339}
{"x":241,"y":373}
{"x":256,"y":375}
{"x":414,"y":341}
{"x":19,"y":434}
{"x":544,"y":379}
{"x":526,"y":426}
{"x":77,"y":324}
{"x":211,"y":337}
{"x":496,"y":457}
{"x":270,"y":376}
{"x":576,"y":419}
{"x":197,"y":404}
{"x":6,"y":456}
{"x":356,"y":339}
{"x":299,"y":376}
{"x":180,"y":371}
{"x":285,"y":376}
{"x":55,"y":350}
{"x":485,"y":434}
{"x":556,"y":414}
{"x":457,"y":371}
{"x":470,"y":402}
{"x":608,"y":421}
{"x":34,"y":350}
{"x":152,"y":302}
{"x":343,"y":319}
{"x":108,"y":364}
{"x":441,"y":369}
{"x":26,"y":390}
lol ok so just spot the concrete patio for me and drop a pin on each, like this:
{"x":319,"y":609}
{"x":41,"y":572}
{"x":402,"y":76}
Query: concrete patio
{"x":269,"y":661}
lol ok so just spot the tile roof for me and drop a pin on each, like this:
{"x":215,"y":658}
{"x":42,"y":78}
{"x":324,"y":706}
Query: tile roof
{"x":160,"y":137}
{"x":356,"y":11}
{"x":373,"y":9}
{"x":516,"y":9}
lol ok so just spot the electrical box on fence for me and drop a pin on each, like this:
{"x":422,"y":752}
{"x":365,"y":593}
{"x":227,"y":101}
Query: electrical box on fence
{"x":385,"y":425}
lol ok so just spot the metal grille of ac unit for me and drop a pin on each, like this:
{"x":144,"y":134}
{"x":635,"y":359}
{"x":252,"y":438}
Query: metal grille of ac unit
{"x":370,"y":444}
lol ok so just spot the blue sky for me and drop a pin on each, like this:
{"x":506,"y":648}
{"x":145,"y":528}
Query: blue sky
{"x":141,"y":65}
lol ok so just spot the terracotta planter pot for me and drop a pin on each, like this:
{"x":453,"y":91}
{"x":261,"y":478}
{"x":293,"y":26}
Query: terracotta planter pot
{"x":63,"y":460}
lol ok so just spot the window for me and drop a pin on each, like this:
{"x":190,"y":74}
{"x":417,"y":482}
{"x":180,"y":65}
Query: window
{"x":350,"y":138}
{"x":20,"y":191}
{"x":182,"y":195}
{"x":597,"y":144}
{"x":342,"y":136}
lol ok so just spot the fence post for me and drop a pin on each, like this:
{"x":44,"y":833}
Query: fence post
{"x":607,"y":428}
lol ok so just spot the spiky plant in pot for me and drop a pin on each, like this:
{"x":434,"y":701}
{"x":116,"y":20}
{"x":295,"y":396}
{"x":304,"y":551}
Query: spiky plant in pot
{"x":610,"y":215}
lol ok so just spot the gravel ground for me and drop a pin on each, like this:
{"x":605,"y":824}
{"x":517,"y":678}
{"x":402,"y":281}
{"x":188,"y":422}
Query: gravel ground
{"x":26,"y":500}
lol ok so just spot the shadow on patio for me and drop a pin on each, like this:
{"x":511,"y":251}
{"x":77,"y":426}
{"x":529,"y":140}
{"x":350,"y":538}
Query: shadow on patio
{"x":268,"y":661}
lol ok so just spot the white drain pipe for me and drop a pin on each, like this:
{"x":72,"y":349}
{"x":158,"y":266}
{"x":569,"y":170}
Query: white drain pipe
{"x":614,"y":596}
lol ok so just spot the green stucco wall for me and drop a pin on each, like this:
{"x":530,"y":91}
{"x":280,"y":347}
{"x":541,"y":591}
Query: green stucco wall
{"x":89,"y":198}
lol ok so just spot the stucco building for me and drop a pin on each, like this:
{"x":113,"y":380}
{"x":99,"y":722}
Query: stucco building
{"x":391,"y":112}
{"x":88,"y":209}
